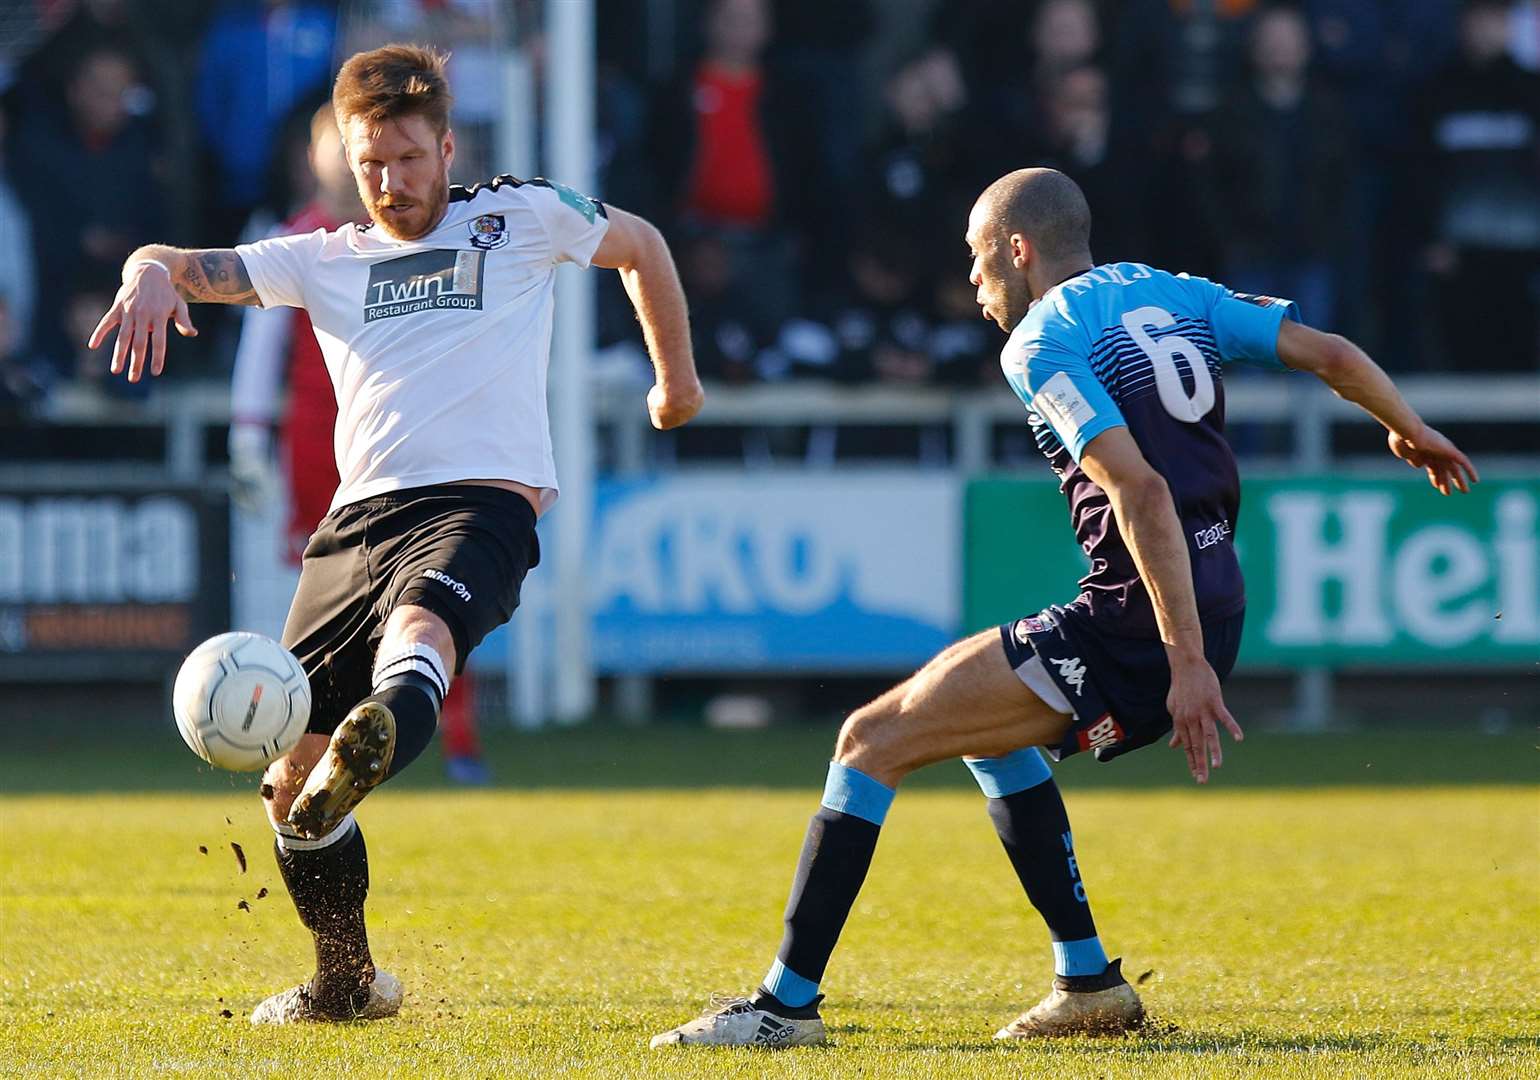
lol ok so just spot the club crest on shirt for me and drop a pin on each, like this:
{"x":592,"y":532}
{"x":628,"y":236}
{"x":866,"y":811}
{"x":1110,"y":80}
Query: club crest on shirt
{"x":489,"y":231}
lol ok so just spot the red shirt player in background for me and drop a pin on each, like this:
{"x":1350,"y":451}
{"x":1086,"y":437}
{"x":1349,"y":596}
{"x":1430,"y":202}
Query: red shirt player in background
{"x":280,"y":342}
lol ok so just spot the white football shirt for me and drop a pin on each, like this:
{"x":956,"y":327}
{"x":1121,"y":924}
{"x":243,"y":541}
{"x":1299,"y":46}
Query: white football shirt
{"x":437,"y":347}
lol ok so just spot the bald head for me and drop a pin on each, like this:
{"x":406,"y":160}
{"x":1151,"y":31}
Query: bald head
{"x":1029,"y":230}
{"x":1045,"y":206}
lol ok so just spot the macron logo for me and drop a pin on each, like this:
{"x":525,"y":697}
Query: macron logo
{"x":444,"y":579}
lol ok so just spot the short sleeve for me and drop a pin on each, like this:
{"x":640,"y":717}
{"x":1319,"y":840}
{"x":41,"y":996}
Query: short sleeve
{"x":575,"y":223}
{"x":279,"y":266}
{"x":1057,"y":383}
{"x":1246,"y":326}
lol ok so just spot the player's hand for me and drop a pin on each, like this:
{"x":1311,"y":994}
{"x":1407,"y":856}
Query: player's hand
{"x":140,"y":311}
{"x":1429,"y":450}
{"x":1197,"y":712}
{"x":672,"y":404}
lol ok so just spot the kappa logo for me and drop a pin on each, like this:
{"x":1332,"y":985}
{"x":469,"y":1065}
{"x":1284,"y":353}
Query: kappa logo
{"x":454,"y":586}
{"x":1104,"y":732}
{"x":489,"y":231}
{"x":1072,"y":671}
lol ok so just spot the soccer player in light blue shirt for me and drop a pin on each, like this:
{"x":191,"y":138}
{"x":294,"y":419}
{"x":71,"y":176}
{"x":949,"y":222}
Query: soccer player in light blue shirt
{"x":1121,"y":369}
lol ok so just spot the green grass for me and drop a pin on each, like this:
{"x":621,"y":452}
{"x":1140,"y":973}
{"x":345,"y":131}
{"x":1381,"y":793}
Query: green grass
{"x":1343,"y":905}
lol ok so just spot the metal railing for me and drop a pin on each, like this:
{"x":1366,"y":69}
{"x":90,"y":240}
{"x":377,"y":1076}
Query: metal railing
{"x":971,"y":420}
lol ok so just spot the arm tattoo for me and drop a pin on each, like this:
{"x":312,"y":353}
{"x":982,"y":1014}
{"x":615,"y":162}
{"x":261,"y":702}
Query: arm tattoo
{"x":215,"y":277}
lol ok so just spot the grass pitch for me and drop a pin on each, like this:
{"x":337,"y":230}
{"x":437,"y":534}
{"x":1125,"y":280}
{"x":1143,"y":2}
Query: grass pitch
{"x":1339,"y":905}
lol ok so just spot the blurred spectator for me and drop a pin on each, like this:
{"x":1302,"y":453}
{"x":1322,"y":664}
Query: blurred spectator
{"x":921,"y":157}
{"x":736,"y":152}
{"x":18,"y":275}
{"x":259,"y":59}
{"x":1180,"y":55}
{"x":727,"y":333}
{"x":21,"y":381}
{"x":1282,"y":169}
{"x":818,"y":47}
{"x":1375,"y":56}
{"x":1480,"y":123}
{"x":89,"y":188}
{"x":1077,"y":139}
{"x":1171,"y":62}
{"x":878,"y":331}
{"x":1066,"y":34}
{"x":161,"y":38}
{"x":279,"y":345}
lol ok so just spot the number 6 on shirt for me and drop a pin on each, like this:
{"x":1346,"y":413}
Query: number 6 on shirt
{"x":1163,"y":355}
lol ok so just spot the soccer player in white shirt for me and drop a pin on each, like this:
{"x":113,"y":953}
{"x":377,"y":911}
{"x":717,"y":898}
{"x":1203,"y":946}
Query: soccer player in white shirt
{"x":435,"y":323}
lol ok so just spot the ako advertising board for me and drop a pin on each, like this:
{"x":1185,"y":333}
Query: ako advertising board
{"x":776,"y":572}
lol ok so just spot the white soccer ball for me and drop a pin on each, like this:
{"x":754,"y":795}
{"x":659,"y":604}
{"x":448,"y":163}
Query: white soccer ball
{"x":241,"y":700}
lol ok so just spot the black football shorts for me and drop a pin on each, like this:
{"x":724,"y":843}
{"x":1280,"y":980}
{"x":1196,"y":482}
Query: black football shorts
{"x":459,"y":550}
{"x":1117,"y":686}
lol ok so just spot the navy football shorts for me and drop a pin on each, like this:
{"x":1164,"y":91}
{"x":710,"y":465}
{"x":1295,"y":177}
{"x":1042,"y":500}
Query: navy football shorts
{"x":1115,"y":686}
{"x":459,"y":550}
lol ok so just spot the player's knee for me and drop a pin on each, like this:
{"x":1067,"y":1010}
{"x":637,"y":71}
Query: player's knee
{"x":283,"y":778}
{"x":281,"y":783}
{"x":411,"y":624}
{"x":867,"y":740}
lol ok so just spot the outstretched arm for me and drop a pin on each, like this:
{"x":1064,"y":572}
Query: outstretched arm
{"x":636,"y":248}
{"x":1146,"y":517}
{"x":158,"y":282}
{"x":1350,"y":372}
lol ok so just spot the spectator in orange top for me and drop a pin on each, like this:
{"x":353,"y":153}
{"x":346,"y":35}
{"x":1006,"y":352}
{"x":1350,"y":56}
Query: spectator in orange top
{"x":737,"y":152}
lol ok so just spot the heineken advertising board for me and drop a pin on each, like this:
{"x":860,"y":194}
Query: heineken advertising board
{"x":1339,"y":571}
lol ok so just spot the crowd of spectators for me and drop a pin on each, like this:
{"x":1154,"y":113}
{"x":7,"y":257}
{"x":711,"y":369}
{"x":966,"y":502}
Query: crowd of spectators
{"x":813,"y":162}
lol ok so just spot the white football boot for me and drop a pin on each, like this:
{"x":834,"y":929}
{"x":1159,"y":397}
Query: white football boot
{"x":296,"y":1006}
{"x":1113,"y":1009}
{"x":739,"y":1022}
{"x":355,"y":762}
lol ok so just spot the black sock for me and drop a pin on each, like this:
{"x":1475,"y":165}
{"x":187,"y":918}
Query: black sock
{"x":329,"y":885}
{"x":1034,"y":828}
{"x":413,"y":700}
{"x":835,"y":857}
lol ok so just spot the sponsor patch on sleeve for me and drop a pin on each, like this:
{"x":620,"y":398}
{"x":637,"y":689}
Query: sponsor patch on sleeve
{"x":1061,"y":403}
{"x":1262,"y":301}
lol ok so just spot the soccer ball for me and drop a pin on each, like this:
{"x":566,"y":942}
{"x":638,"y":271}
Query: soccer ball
{"x":241,"y":700}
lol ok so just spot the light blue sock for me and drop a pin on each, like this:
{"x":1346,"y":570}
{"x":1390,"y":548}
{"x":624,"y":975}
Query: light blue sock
{"x":790,"y":988}
{"x":1001,"y":776}
{"x":851,"y":791}
{"x":1083,"y":957}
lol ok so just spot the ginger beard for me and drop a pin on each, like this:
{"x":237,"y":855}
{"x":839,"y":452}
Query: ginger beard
{"x":402,"y":169}
{"x":405,"y":219}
